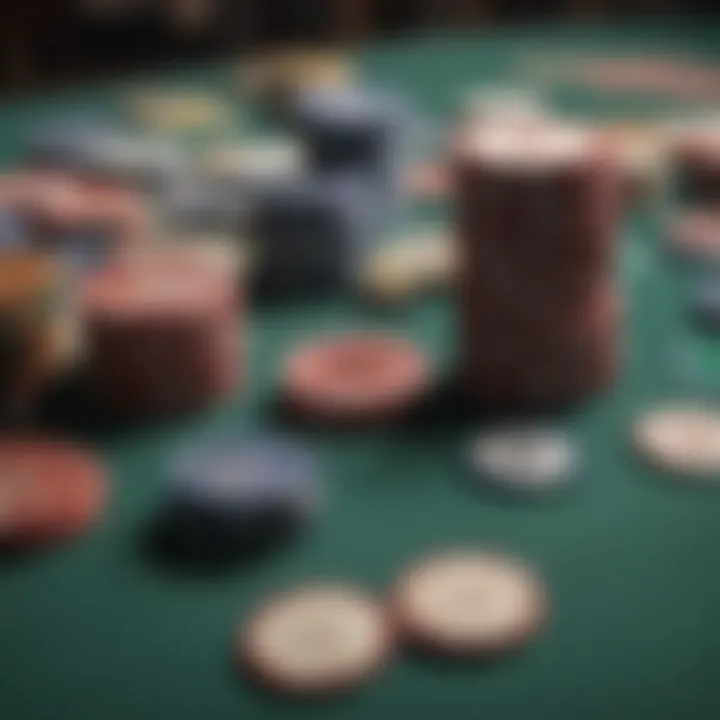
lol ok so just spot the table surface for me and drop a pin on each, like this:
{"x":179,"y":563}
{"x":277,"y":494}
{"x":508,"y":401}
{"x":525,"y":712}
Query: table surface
{"x":99,"y":629}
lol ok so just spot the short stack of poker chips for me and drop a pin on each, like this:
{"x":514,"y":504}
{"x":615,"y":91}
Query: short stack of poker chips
{"x":161,"y":333}
{"x":362,"y":133}
{"x":309,"y":237}
{"x":232,"y":494}
{"x":536,"y":217}
{"x":33,"y":302}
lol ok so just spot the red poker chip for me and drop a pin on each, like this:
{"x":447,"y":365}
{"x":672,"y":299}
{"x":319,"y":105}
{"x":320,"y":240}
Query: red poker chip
{"x":355,"y":379}
{"x":49,"y":491}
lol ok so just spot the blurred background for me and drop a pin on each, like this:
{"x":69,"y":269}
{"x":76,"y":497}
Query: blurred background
{"x":47,"y":42}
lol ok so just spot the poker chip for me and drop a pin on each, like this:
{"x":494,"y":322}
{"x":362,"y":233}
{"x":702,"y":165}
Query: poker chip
{"x":538,"y":209}
{"x":644,"y":157}
{"x":241,"y":475}
{"x":682,"y":438}
{"x":524,"y":457}
{"x":468,"y":603}
{"x":49,"y":491}
{"x":278,"y":77}
{"x":251,"y":164}
{"x":308,"y":237}
{"x":177,"y":111}
{"x":355,"y":379}
{"x":162,"y":333}
{"x":316,"y":640}
{"x":409,"y":265}
{"x":695,"y":235}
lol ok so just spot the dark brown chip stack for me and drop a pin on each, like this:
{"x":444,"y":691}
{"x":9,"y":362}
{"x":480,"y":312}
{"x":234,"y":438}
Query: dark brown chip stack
{"x":162,"y":338}
{"x":696,"y":158}
{"x":537,"y":210}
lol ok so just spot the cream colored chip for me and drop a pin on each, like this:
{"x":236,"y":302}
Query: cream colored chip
{"x":164,"y":110}
{"x":469,"y":602}
{"x":270,"y":158}
{"x":317,"y":638}
{"x":524,"y":456}
{"x":682,"y":439}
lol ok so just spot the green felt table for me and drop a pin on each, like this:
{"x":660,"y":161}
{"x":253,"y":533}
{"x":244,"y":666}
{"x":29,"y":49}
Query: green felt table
{"x":100,"y":630}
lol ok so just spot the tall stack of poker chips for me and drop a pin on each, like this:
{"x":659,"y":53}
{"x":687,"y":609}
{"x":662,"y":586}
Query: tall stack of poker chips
{"x":362,"y":133}
{"x":309,"y":237}
{"x":161,"y":333}
{"x":33,"y":300}
{"x":537,"y":211}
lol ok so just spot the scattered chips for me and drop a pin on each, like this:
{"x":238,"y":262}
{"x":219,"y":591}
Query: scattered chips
{"x":681,"y":438}
{"x":532,"y":458}
{"x":468,"y":603}
{"x":48,"y":491}
{"x":316,"y":640}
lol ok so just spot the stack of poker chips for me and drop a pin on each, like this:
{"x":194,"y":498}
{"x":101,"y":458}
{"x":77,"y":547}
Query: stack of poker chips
{"x":232,"y":495}
{"x":34,"y":297}
{"x":309,"y":237}
{"x":537,"y":210}
{"x":161,"y":332}
{"x":363,"y":134}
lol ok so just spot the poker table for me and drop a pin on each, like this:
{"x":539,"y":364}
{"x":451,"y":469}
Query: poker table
{"x":102,"y":628}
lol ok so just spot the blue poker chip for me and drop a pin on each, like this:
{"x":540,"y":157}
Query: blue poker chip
{"x":233,"y":496}
{"x":240,"y":476}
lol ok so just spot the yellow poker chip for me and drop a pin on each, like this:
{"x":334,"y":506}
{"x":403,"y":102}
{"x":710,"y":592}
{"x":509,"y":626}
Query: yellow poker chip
{"x":178,"y":111}
{"x":410,"y":265}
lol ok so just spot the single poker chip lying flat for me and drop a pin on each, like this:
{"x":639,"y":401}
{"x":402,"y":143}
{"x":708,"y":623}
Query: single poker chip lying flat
{"x":681,"y":438}
{"x":524,"y":457}
{"x":49,"y":491}
{"x":316,"y":640}
{"x":468,"y":603}
{"x":355,"y":379}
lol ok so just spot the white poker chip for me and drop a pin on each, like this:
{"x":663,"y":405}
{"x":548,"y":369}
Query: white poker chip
{"x":681,"y":438}
{"x":316,"y":640}
{"x":524,"y":457}
{"x":469,"y":603}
